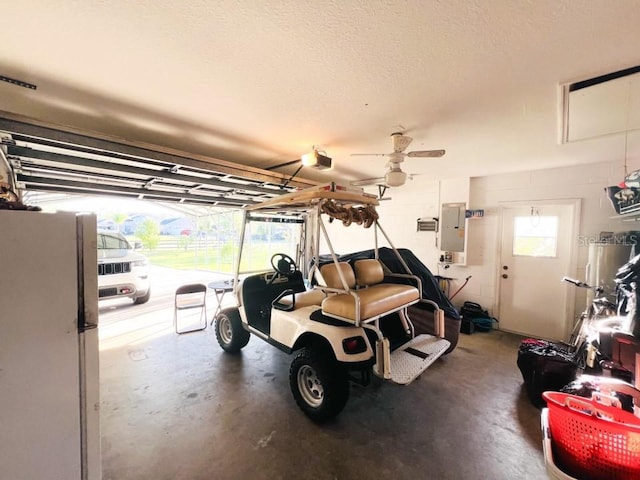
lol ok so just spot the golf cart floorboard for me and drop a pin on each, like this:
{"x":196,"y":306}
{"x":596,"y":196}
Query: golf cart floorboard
{"x":415,"y":356}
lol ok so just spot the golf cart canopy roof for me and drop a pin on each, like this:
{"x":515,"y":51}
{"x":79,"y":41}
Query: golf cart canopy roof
{"x":310,"y":198}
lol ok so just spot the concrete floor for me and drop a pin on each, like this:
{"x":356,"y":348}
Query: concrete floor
{"x":178,"y":407}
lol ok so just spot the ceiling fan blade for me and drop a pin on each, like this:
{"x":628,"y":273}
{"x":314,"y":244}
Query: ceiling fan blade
{"x":426,"y":153}
{"x":368,"y":181}
{"x":369,"y":154}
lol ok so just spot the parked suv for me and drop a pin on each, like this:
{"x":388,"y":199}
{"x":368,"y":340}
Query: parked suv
{"x":122,"y":272}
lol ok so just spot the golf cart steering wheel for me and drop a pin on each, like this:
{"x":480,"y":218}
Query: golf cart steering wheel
{"x":283,"y":264}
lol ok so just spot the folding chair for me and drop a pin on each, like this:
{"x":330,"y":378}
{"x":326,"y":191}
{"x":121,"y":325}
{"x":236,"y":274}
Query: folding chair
{"x":189,"y":297}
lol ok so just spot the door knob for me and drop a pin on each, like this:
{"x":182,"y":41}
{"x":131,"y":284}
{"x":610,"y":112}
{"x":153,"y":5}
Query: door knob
{"x":505,"y":267}
{"x":504,"y":275}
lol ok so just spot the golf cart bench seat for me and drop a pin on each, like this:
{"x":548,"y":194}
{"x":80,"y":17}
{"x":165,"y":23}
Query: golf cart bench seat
{"x":372,"y":299}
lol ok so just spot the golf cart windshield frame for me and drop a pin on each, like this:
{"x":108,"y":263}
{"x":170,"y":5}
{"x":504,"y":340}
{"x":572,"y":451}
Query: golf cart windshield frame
{"x":307,"y":208}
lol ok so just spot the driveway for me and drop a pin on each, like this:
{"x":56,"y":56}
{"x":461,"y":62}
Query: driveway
{"x":124,"y":324}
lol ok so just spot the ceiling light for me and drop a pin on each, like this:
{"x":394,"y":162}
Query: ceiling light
{"x":395,"y":178}
{"x":316,"y":160}
{"x":310,"y":159}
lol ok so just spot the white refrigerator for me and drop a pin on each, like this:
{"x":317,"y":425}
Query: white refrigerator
{"x":49,"y":371}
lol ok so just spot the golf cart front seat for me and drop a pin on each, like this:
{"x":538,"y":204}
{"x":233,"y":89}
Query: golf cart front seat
{"x":294,"y":294}
{"x":373,"y":300}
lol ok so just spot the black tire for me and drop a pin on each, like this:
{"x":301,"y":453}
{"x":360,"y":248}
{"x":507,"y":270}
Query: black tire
{"x":230,"y":333}
{"x":143,"y":299}
{"x":319,"y":385}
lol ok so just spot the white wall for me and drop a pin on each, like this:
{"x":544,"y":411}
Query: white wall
{"x":586,"y":182}
{"x":417,"y":199}
{"x":399,"y":216}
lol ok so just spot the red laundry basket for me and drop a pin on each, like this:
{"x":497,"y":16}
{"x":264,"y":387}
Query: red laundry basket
{"x":593,"y":440}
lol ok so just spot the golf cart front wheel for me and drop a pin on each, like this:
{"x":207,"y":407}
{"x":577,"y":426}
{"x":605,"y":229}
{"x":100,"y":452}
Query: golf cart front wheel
{"x":319,"y":386}
{"x":231,"y":336}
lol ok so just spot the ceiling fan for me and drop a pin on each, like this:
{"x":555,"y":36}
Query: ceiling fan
{"x":395,"y":177}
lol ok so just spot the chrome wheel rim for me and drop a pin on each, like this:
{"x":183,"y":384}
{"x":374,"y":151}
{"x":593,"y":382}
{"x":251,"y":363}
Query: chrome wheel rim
{"x":224,"y":328}
{"x":310,"y":387}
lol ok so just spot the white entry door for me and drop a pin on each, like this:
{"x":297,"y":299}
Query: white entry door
{"x":537,"y":242}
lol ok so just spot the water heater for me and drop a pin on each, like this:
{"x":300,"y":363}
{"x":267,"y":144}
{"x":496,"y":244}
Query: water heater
{"x":605,"y":258}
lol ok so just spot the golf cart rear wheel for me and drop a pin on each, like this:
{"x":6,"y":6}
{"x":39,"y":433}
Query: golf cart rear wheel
{"x":231,"y":336}
{"x":319,"y":386}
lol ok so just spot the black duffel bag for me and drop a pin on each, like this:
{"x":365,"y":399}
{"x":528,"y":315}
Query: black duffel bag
{"x":473,"y":310}
{"x":475,"y":318}
{"x":545,"y":366}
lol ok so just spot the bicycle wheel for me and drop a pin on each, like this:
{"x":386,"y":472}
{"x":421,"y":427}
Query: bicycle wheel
{"x":577,"y":334}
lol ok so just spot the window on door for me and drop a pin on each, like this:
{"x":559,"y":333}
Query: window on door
{"x":535,"y":235}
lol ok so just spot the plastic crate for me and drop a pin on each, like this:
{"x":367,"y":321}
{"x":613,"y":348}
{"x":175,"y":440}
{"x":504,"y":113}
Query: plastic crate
{"x":554,"y":472}
{"x":593,"y":440}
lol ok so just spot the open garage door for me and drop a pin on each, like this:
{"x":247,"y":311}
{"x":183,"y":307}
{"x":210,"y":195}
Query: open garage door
{"x":49,"y":159}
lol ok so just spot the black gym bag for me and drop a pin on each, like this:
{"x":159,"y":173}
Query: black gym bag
{"x":475,"y":318}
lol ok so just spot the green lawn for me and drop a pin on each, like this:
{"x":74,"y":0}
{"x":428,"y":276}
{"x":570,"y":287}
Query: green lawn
{"x":216,"y":259}
{"x":191,"y":260}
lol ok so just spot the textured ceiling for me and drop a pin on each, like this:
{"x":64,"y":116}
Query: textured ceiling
{"x":260,"y":83}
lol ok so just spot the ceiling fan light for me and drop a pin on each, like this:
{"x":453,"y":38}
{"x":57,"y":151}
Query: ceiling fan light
{"x":395,"y":178}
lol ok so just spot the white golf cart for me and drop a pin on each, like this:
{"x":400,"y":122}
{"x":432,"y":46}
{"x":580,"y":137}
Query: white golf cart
{"x":342,"y":321}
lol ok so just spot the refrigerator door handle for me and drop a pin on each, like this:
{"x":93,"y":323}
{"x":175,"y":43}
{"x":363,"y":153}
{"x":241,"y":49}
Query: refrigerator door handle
{"x":80,"y":271}
{"x":87,"y":266}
